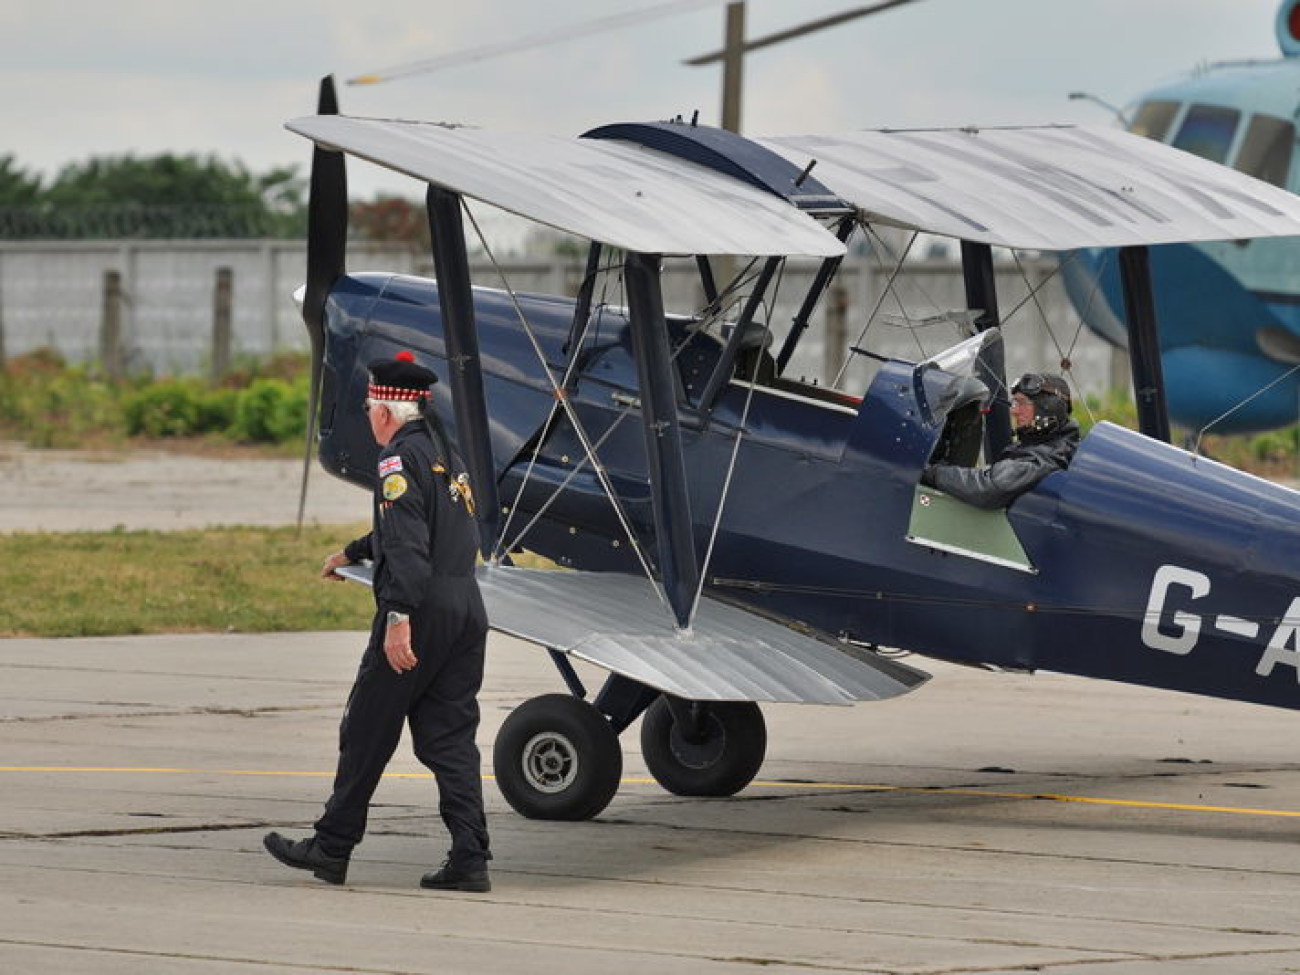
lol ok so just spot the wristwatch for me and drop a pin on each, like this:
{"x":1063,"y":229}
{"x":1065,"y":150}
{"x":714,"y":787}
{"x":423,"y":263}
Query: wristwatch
{"x":394,"y":617}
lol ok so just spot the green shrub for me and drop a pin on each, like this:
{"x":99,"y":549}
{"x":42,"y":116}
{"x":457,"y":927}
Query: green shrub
{"x":217,"y":408}
{"x":272,"y":411}
{"x":1274,"y":446}
{"x":58,"y":409}
{"x":170,"y":408}
{"x":1116,"y":406}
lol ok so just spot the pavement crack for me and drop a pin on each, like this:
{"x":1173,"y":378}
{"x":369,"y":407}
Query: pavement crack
{"x":165,"y":713}
{"x":76,"y":834}
{"x":203,"y":957}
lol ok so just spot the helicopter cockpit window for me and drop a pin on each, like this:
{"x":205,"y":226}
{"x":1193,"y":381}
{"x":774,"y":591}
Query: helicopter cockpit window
{"x":1207,"y":131}
{"x":1266,"y":151}
{"x":1153,"y":120}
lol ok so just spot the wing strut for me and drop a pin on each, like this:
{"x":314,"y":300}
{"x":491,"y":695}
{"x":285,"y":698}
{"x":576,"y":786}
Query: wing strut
{"x":663,"y":434}
{"x":456,"y":298}
{"x":727,"y":360}
{"x":825,"y":274}
{"x":1144,"y":342}
{"x":982,"y":293}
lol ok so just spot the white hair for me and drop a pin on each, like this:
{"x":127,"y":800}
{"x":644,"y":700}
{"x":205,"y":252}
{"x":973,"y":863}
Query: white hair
{"x":403,"y":411}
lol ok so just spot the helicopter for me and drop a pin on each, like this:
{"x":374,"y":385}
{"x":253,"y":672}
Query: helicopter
{"x":1230,"y":309}
{"x":728,"y":534}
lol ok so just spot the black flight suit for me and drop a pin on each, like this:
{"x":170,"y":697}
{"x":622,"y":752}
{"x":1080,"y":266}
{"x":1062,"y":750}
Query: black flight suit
{"x":1018,"y":468}
{"x":423,"y":543}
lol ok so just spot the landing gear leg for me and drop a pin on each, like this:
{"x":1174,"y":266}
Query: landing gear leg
{"x":696,"y":748}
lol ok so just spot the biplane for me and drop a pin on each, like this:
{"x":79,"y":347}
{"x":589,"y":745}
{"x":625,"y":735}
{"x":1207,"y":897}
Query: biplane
{"x":731,"y":535}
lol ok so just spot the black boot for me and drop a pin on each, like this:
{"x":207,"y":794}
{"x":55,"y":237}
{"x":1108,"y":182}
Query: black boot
{"x":450,"y":877}
{"x":307,"y":855}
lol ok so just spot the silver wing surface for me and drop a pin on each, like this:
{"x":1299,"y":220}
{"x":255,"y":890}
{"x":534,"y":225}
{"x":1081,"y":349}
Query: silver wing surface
{"x":1049,"y":188}
{"x":638,"y":199}
{"x":616,"y":622}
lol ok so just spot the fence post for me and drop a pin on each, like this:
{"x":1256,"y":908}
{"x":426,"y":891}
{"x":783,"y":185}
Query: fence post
{"x":837,"y":333}
{"x":221,"y":323}
{"x":110,"y":327}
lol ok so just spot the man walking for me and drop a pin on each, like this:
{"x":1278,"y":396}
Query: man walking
{"x":424,"y":661}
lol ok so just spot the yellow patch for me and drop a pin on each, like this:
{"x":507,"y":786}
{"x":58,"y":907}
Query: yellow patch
{"x":394,"y":487}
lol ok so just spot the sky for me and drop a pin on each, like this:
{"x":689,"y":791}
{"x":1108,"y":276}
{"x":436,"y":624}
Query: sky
{"x":82,"y":79}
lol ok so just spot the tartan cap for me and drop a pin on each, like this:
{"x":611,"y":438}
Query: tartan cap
{"x":399,"y":379}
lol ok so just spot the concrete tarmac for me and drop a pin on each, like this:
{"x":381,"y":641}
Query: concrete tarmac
{"x":158,"y":490}
{"x":986,"y":823}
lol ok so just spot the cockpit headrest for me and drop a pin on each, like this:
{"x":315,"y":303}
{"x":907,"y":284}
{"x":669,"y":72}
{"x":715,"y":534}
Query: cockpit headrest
{"x":756,"y":335}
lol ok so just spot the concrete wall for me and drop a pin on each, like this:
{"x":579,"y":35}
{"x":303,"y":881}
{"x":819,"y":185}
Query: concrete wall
{"x":51,"y":294}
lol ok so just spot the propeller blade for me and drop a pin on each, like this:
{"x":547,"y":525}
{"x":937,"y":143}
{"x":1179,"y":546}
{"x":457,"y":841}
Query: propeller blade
{"x":327,"y":234}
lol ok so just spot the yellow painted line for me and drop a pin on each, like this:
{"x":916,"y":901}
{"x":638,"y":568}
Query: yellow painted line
{"x":757,"y":783}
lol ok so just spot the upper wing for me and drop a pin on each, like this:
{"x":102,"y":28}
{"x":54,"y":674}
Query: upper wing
{"x":630,"y":197}
{"x":1043,"y":188}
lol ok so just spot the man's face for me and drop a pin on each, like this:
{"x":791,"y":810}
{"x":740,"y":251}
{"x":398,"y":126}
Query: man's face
{"x":382,"y":425}
{"x":1022,"y":411}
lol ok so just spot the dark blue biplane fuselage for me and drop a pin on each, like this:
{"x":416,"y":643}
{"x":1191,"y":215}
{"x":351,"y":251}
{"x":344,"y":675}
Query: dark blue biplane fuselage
{"x":1145,"y":564}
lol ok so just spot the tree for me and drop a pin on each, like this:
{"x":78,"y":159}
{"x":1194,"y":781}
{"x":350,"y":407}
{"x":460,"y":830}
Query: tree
{"x":391,"y":219}
{"x":167,"y":195}
{"x":17,"y":186}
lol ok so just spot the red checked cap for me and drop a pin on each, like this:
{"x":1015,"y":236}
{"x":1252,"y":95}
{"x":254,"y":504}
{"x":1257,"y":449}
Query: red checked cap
{"x":400,"y":379}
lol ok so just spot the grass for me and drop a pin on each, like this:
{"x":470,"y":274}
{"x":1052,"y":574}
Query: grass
{"x":215,"y":580}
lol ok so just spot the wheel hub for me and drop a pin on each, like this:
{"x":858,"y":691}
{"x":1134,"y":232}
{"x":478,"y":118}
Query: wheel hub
{"x":550,"y":762}
{"x":699,"y":751}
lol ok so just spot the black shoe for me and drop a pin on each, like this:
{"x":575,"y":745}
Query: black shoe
{"x":307,"y":855}
{"x":448,"y":877}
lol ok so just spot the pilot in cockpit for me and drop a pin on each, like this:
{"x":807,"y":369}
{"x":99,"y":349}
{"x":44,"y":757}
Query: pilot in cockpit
{"x":1045,"y":441}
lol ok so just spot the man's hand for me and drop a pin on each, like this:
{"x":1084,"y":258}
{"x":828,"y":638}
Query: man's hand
{"x":335,"y":561}
{"x":397,"y":647}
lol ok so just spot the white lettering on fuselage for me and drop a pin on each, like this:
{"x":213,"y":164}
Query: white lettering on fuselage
{"x":1175,"y":630}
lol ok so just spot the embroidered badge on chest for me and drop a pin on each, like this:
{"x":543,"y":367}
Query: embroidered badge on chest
{"x":394,"y":487}
{"x":390,"y":465}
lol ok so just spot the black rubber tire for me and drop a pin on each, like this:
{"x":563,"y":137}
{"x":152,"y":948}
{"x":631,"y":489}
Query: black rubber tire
{"x":721,"y":765}
{"x":556,"y":757}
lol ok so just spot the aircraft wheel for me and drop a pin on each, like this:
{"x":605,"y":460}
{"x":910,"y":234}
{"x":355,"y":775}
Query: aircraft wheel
{"x":556,"y":757}
{"x":719,"y":759}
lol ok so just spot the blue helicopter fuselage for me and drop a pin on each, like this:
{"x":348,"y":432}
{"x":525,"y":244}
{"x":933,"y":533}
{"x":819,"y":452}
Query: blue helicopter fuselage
{"x":1229,"y":311}
{"x":1139,"y":563}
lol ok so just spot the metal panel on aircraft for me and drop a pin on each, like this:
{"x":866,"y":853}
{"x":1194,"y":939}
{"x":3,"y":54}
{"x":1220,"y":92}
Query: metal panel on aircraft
{"x":631,"y":197}
{"x":617,"y":622}
{"x":1043,"y":188}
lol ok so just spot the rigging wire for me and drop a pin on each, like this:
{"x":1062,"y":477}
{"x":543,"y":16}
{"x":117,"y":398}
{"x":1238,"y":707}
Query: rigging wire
{"x":957,"y":602}
{"x":562,"y":402}
{"x":1200,"y":435}
{"x":735,"y":447}
{"x":888,"y":288}
{"x":1063,"y":357}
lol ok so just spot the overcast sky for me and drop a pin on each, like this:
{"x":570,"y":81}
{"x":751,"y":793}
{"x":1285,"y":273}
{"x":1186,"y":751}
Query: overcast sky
{"x":139,"y":76}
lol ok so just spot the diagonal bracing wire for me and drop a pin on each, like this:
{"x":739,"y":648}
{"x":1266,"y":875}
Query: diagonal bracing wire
{"x":1064,"y":356}
{"x":884,"y":292}
{"x":562,"y":402}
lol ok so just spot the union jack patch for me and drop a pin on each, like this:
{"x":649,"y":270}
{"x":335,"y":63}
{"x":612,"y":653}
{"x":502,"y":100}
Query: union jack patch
{"x":390,"y":465}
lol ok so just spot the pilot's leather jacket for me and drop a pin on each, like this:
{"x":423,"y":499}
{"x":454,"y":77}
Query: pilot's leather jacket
{"x":1021,"y":465}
